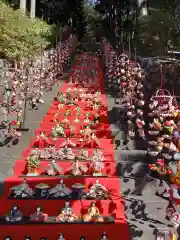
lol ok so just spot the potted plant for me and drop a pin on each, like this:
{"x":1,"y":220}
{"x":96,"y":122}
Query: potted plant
{"x":33,"y":163}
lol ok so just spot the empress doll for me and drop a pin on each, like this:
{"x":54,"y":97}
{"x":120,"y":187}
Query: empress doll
{"x":93,"y":214}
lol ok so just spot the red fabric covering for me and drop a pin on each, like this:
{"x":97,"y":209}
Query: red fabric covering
{"x":114,"y":206}
{"x":71,"y":231}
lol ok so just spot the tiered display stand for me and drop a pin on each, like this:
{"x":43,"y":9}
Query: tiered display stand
{"x":111,"y":209}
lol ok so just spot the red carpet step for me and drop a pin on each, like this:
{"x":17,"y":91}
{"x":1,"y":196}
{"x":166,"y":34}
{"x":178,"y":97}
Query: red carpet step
{"x":91,"y":217}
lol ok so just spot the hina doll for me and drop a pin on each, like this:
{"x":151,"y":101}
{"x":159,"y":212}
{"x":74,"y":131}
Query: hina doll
{"x":83,"y":238}
{"x":42,"y":141}
{"x":97,"y":154}
{"x":82,"y":155}
{"x":58,"y":131}
{"x":86,"y":132}
{"x":7,"y":238}
{"x":68,"y":143}
{"x":22,"y":190}
{"x":175,"y":168}
{"x":55,"y":118}
{"x":60,"y":190}
{"x":67,"y":214}
{"x":92,"y":141}
{"x":66,"y":153}
{"x":61,"y":237}
{"x":53,"y":169}
{"x":79,"y":168}
{"x":39,"y":215}
{"x":15,"y":215}
{"x":27,"y":238}
{"x":48,"y":153}
{"x":93,"y":214}
{"x":97,"y":190}
{"x":61,"y":98}
{"x":175,"y":219}
{"x":104,"y":236}
{"x":97,"y":167}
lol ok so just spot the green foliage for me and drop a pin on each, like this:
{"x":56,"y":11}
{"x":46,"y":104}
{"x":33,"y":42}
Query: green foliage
{"x":93,"y":20}
{"x":155,"y":31}
{"x":53,"y":11}
{"x":20,"y":37}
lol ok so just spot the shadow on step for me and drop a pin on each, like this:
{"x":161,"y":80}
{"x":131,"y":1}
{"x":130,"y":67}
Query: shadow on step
{"x":146,"y":217}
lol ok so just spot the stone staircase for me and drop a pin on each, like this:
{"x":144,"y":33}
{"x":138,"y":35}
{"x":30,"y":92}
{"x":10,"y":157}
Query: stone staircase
{"x":145,"y":210}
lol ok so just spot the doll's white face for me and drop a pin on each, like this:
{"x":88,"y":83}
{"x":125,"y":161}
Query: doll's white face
{"x":15,"y":208}
{"x":38,"y":209}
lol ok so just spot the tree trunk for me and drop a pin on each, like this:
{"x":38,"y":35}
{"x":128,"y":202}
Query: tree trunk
{"x":33,"y":9}
{"x":23,"y":6}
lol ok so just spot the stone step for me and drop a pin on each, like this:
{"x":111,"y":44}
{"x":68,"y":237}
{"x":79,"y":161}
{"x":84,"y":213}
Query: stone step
{"x":146,"y":231}
{"x":145,"y":215}
{"x":141,"y":187}
{"x":131,"y":156}
{"x":145,"y":218}
{"x":120,"y":135}
{"x":132,"y":169}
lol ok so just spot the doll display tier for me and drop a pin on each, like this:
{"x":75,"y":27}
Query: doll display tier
{"x":75,"y":131}
{"x":82,"y":103}
{"x":58,"y":154}
{"x":68,"y":86}
{"x":74,"y":143}
{"x":83,"y":120}
{"x":109,"y":170}
{"x":108,"y":155}
{"x":77,"y":126}
{"x":112,"y":210}
{"x":54,"y":109}
{"x":61,"y":188}
{"x":70,"y":231}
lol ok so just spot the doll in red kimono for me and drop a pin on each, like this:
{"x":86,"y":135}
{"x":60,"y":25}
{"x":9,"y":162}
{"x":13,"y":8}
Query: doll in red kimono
{"x":67,"y":143}
{"x":38,"y":216}
{"x":55,"y":118}
{"x":92,"y":141}
{"x":42,"y":141}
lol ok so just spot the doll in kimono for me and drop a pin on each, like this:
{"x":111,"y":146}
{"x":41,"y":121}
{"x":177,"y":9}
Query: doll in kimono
{"x":93,"y":214}
{"x":39,"y":215}
{"x":42,"y":141}
{"x":60,"y":190}
{"x":22,"y":190}
{"x":67,"y":214}
{"x":61,"y":237}
{"x":15,"y":215}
